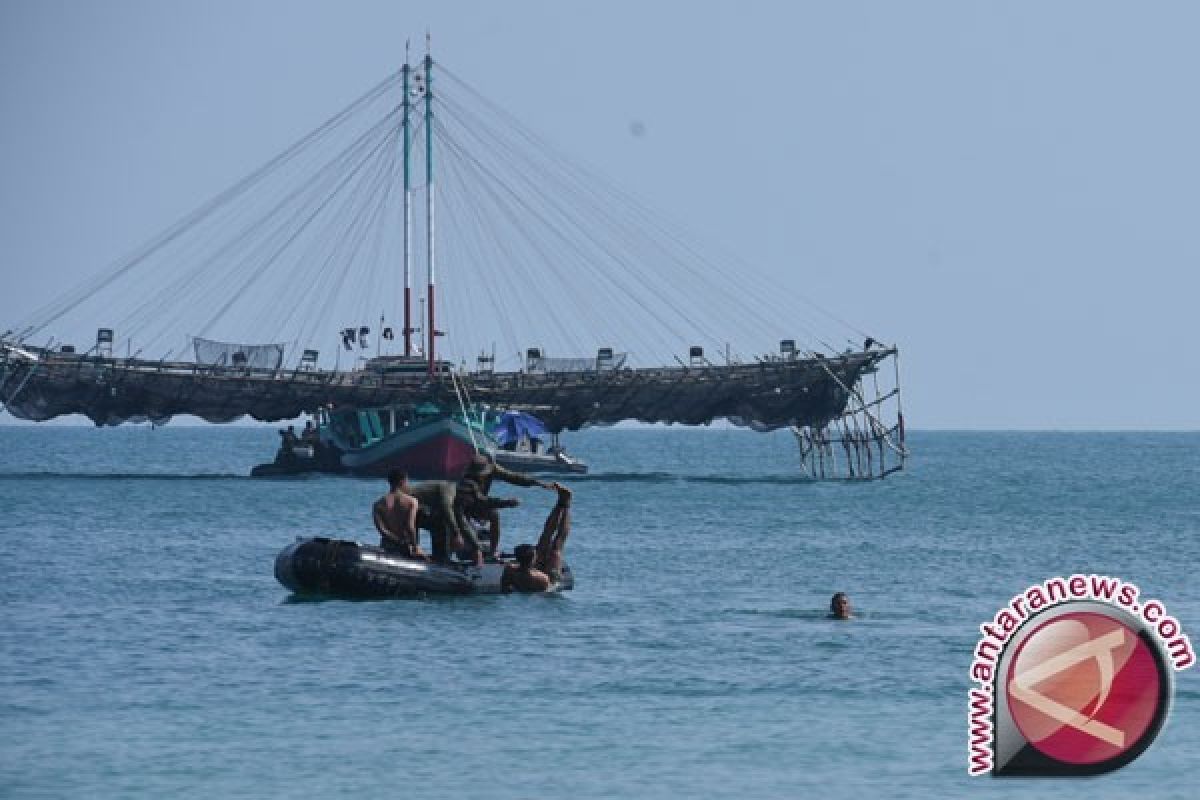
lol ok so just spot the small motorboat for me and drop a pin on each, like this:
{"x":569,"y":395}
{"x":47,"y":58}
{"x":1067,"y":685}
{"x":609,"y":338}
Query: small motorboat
{"x":551,"y":461}
{"x":519,"y":446}
{"x":340,"y":568}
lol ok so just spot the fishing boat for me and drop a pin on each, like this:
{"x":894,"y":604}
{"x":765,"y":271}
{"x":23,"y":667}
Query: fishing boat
{"x":340,"y":568}
{"x":260,"y":274}
{"x":426,"y":441}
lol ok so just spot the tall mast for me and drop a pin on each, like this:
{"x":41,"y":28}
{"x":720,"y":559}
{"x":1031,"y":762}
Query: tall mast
{"x":432,"y":326}
{"x":408,"y":328}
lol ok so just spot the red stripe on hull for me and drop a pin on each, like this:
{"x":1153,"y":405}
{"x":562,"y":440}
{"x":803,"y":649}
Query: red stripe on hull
{"x":441,"y":457}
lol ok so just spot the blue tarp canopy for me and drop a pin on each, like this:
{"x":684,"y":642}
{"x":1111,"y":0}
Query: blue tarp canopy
{"x":512,"y":425}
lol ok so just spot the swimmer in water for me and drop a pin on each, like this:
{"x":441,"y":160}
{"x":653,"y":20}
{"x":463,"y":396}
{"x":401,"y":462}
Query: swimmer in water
{"x":839,"y":606}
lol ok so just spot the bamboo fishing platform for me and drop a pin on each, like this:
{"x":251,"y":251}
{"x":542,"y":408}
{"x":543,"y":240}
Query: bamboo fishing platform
{"x":766,"y":395}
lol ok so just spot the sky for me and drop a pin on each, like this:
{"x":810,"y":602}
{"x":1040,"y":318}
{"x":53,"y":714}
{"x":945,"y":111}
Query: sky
{"x":1007,"y":191}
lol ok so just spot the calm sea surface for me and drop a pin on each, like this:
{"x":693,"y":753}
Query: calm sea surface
{"x":147,"y":651}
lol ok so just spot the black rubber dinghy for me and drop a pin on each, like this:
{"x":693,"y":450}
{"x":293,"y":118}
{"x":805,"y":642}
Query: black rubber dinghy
{"x":340,"y":568}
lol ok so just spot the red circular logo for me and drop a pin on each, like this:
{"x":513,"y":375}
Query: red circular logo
{"x":1084,"y":688}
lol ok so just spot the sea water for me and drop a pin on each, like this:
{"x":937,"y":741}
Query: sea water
{"x":146,"y":649}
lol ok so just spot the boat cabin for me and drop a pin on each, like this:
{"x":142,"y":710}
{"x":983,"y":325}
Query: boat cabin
{"x":358,"y":428}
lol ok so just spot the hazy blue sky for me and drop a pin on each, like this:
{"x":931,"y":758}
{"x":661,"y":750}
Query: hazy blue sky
{"x":1009,"y":191}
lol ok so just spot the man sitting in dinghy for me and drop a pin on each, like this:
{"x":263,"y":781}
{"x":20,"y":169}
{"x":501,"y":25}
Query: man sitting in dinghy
{"x":395,"y":517}
{"x":539,"y":569}
{"x":432,"y":508}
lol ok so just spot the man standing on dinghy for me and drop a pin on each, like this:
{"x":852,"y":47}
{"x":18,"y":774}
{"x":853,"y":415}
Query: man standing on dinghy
{"x":395,"y":517}
{"x":438,"y":514}
{"x":473,"y":500}
{"x":483,"y":469}
{"x":539,"y":569}
{"x":472,"y":506}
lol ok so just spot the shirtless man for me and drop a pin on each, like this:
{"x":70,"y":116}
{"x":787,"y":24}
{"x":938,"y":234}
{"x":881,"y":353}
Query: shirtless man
{"x":395,"y":517}
{"x":539,"y":569}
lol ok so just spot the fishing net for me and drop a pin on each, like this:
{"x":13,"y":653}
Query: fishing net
{"x":227,"y":354}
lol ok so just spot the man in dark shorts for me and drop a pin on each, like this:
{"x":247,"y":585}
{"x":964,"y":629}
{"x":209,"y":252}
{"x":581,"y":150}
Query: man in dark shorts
{"x":395,"y":517}
{"x":539,"y":569}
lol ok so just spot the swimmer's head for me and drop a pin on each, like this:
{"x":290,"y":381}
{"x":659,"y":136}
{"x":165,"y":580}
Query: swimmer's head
{"x":839,"y":606}
{"x":525,"y":553}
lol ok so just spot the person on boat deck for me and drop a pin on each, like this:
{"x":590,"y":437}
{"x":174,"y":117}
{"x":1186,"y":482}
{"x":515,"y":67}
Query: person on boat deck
{"x":475,"y":485}
{"x":310,"y":433}
{"x":395,"y":517}
{"x":839,"y":606}
{"x":289,"y":438}
{"x":539,"y":568}
{"x":448,"y":529}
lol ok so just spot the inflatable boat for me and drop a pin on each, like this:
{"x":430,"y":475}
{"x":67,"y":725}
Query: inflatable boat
{"x":339,"y":568}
